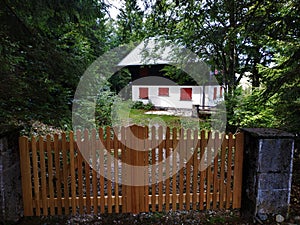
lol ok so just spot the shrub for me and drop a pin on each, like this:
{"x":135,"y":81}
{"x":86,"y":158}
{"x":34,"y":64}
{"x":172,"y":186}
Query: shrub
{"x":141,"y":105}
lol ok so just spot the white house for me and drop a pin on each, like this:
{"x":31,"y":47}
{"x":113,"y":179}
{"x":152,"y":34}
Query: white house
{"x":150,"y":85}
{"x":178,"y":96}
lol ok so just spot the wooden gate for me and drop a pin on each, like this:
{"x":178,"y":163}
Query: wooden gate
{"x":134,"y":169}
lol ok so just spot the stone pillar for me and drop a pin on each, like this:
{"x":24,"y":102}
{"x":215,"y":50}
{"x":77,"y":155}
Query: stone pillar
{"x":267,"y":175}
{"x":10,"y":178}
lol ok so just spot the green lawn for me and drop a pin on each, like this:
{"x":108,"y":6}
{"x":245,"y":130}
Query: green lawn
{"x":138,"y":116}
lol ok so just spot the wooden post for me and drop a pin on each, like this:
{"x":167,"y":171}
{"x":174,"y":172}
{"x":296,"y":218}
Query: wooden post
{"x":238,"y":170}
{"x":26,"y":176}
{"x":135,"y":158}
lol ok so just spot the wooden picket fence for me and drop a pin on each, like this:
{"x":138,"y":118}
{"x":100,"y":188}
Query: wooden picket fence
{"x":133,"y":169}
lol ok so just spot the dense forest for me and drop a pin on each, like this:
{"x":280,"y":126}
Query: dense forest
{"x":45,"y":47}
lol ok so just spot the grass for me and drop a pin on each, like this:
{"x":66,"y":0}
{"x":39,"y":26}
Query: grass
{"x":138,"y":116}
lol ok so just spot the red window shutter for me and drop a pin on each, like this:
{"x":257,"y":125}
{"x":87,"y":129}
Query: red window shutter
{"x":221,"y":92}
{"x":143,"y":93}
{"x":215,"y":93}
{"x":186,"y":94}
{"x":163,"y":91}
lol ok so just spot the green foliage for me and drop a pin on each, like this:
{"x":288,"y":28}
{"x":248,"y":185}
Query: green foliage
{"x":130,"y":23}
{"x":178,"y":76}
{"x":249,"y":112}
{"x":103,"y":110}
{"x":120,"y":80}
{"x":141,"y":105}
{"x":45,"y":48}
{"x":282,"y":89}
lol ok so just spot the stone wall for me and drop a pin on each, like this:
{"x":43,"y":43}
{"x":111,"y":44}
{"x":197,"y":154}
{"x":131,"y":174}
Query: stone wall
{"x":10,"y":178}
{"x":267,"y":174}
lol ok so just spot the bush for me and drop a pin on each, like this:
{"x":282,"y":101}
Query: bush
{"x":103,"y":109}
{"x":141,"y":105}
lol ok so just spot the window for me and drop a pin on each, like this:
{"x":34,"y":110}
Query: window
{"x":143,"y":93}
{"x":221,"y":92}
{"x":163,"y":91}
{"x":186,"y":94}
{"x":215,"y":93}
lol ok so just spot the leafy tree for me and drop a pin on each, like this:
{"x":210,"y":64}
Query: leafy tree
{"x":249,"y":113}
{"x":276,"y":102}
{"x":120,"y":80}
{"x":130,"y":23}
{"x":45,"y":48}
{"x":234,"y":37}
{"x":282,"y":89}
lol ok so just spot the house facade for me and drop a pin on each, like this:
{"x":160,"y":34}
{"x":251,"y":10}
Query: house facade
{"x":149,"y":84}
{"x":178,"y":96}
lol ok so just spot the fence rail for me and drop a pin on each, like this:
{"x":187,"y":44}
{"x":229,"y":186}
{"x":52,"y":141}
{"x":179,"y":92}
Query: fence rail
{"x":133,"y":169}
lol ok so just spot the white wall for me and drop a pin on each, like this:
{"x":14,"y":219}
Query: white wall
{"x":173,"y":100}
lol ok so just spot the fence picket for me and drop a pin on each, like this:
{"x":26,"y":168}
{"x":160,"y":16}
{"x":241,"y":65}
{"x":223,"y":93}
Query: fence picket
{"x":146,"y":172}
{"x":188,"y":169}
{"x":80,"y":172}
{"x":160,"y":168}
{"x":87,"y":175}
{"x":58,"y":168}
{"x":209,"y":172}
{"x":141,"y":162}
{"x":43,"y":176}
{"x":153,"y":169}
{"x":116,"y":172}
{"x":174,"y":162}
{"x":181,"y":166}
{"x":72,"y":172}
{"x":222,"y":171}
{"x":35,"y":169}
{"x":108,"y":153}
{"x":203,"y":168}
{"x":195,"y":169}
{"x":215,"y":169}
{"x":123,"y":159}
{"x":101,"y":165}
{"x":50,"y":175}
{"x":167,"y":162}
{"x":229,"y":171}
{"x":94,"y":172}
